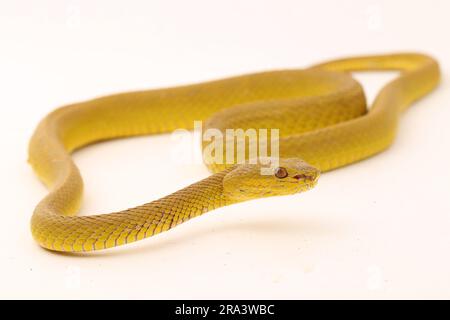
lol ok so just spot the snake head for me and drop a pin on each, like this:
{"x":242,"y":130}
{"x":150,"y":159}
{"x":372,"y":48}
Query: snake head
{"x":245,"y":181}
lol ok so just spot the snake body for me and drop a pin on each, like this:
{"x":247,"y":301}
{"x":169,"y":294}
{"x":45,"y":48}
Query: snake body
{"x":320,"y":111}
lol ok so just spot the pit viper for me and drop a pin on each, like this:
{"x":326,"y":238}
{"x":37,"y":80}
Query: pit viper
{"x":320,"y":112}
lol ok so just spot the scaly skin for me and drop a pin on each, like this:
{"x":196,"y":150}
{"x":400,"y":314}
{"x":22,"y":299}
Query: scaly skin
{"x":320,"y":111}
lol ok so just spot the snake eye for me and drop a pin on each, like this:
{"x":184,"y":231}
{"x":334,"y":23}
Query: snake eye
{"x":281,"y":173}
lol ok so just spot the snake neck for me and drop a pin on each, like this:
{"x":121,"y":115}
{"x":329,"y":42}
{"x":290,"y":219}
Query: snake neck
{"x":56,"y":231}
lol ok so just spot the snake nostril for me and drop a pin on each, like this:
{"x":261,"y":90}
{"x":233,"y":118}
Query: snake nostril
{"x":304,"y":177}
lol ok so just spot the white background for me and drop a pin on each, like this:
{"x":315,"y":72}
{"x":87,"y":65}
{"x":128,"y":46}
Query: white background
{"x":376,"y":229}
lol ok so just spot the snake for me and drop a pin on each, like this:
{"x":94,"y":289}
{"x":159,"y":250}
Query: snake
{"x":320,"y":111}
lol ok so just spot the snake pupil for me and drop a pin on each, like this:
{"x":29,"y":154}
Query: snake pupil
{"x":281,"y":173}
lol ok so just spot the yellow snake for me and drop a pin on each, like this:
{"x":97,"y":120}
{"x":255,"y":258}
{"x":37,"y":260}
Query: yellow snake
{"x":320,"y":111}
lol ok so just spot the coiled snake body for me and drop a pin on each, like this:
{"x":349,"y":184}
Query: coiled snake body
{"x":320,"y":111}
